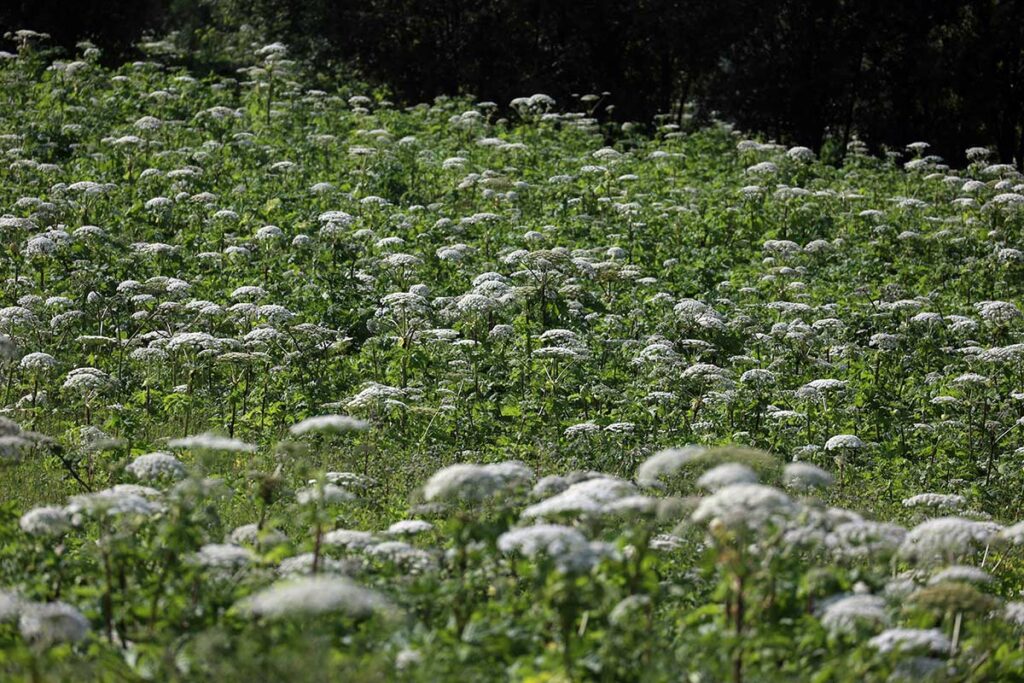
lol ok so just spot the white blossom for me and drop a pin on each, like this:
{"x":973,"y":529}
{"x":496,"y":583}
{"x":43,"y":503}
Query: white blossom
{"x":313,"y":596}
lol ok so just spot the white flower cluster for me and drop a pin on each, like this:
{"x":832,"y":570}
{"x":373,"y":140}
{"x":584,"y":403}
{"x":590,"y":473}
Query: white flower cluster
{"x":313,"y":596}
{"x":566,"y":547}
{"x":852,"y":613}
{"x":910,"y":640}
{"x":749,"y":507}
{"x":156,"y":466}
{"x":52,"y":623}
{"x":328,"y":424}
{"x":585,"y":498}
{"x":946,"y":538}
{"x":665,"y":463}
{"x":209,"y":441}
{"x":474,"y":483}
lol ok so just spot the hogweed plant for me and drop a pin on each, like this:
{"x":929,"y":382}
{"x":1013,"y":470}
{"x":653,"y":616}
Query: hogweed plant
{"x":297,"y":384}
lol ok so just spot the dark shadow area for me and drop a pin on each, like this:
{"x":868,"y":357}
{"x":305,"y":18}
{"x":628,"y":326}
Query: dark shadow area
{"x":810,"y":72}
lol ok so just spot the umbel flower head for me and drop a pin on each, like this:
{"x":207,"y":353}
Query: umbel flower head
{"x":589,"y":497}
{"x":156,"y":466}
{"x":852,"y":613}
{"x":802,"y":476}
{"x":327,"y":494}
{"x":302,"y":565}
{"x":123,"y":499}
{"x":399,"y":554}
{"x":52,"y":623}
{"x":473,"y":483}
{"x":725,"y":475}
{"x":10,"y":606}
{"x":45,"y":521}
{"x":38,"y":362}
{"x":1013,"y":534}
{"x":748,"y":507}
{"x":222,"y":556}
{"x":844,"y":442}
{"x":865,"y":540}
{"x":666,"y":463}
{"x":209,"y":441}
{"x":945,"y":538}
{"x":409,"y":527}
{"x":938,"y":501}
{"x":910,"y":641}
{"x":961,"y":573}
{"x":350,"y":539}
{"x":329,"y":424}
{"x":15,"y":441}
{"x":1013,"y":613}
{"x":315,"y":595}
{"x":86,"y":380}
{"x":566,"y":547}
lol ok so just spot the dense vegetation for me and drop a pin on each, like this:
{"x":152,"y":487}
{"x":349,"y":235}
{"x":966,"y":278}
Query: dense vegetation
{"x":810,"y":72}
{"x":301,"y":385}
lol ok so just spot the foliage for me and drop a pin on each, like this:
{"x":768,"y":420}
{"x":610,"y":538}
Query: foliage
{"x":300,"y":385}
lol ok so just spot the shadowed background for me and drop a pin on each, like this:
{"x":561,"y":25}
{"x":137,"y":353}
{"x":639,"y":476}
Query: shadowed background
{"x":810,"y":72}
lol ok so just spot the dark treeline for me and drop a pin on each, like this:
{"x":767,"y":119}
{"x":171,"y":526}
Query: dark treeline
{"x":811,"y":72}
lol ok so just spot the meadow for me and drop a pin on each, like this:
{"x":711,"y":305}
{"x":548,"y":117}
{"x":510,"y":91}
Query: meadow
{"x":303,"y":385}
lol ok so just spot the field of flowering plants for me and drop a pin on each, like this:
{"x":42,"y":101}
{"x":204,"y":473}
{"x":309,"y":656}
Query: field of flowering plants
{"x":303,"y":385}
